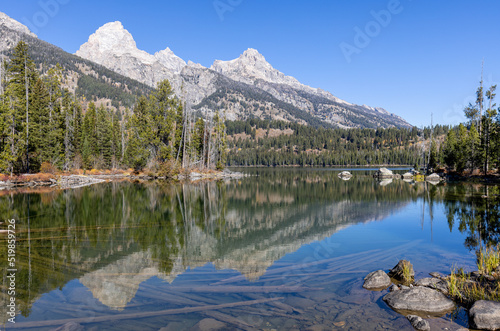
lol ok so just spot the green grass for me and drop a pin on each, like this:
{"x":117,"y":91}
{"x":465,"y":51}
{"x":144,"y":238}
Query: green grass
{"x":407,"y":272}
{"x":488,"y":259}
{"x":463,"y":289}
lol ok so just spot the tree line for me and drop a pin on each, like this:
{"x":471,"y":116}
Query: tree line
{"x":308,"y":146}
{"x":43,"y":125}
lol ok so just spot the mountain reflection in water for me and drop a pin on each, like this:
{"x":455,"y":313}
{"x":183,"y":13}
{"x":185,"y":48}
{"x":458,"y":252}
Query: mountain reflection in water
{"x":116,"y":236}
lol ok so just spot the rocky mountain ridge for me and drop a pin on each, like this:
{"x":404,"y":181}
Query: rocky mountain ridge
{"x":246,"y":87}
{"x":114,"y":47}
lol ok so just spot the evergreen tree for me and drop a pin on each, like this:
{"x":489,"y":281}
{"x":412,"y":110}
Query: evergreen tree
{"x":488,"y":127}
{"x":90,"y":149}
{"x":140,"y":140}
{"x":474,"y":141}
{"x":104,"y":138}
{"x":21,"y":77}
{"x":450,"y":151}
{"x":116,"y":147}
{"x":220,"y":141}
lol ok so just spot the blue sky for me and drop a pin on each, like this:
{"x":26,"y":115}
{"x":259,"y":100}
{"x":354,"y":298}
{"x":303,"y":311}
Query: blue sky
{"x":412,"y":57}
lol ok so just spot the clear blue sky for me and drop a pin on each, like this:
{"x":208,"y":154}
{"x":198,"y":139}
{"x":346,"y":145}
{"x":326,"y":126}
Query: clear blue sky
{"x":425,"y":58}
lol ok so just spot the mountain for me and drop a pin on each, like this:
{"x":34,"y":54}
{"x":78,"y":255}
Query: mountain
{"x":245,"y":87}
{"x":83,"y":77}
{"x":109,"y":69}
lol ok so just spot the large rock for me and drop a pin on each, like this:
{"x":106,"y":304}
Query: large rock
{"x":419,"y":299}
{"x":408,"y":175}
{"x":434,"y":283}
{"x":398,"y":271}
{"x":433,"y":178}
{"x":485,"y":315}
{"x":418,"y":323}
{"x":384,"y":173}
{"x":377,"y":280}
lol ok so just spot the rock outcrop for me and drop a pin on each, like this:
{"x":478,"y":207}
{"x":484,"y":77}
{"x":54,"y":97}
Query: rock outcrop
{"x":485,"y":315}
{"x":418,"y":323}
{"x":377,"y":280}
{"x":419,"y":299}
{"x":401,"y":270}
{"x":12,"y":24}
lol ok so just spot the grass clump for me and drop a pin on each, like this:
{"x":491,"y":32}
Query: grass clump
{"x":488,"y":259}
{"x":407,"y":272}
{"x":484,"y":285}
{"x":467,"y":291}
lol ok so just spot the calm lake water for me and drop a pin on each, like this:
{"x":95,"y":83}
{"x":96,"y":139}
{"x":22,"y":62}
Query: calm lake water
{"x":286,"y":249}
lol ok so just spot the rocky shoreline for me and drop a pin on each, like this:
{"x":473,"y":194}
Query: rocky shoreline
{"x":76,"y":181}
{"x":429,"y":297}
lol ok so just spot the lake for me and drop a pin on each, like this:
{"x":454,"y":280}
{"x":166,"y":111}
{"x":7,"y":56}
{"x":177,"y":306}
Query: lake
{"x":284,"y":249}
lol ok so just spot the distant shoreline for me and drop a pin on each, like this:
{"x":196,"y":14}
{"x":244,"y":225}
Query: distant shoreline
{"x":44,"y":181}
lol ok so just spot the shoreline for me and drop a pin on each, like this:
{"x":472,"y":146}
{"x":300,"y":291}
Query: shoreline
{"x":70,"y":181}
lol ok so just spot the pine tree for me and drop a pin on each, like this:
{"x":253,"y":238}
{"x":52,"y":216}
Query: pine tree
{"x":450,"y":149}
{"x":116,"y":146}
{"x":164,"y":108}
{"x":463,"y":148}
{"x":140,"y":136}
{"x":220,"y":141}
{"x":488,"y":125}
{"x":198,"y":140}
{"x":474,"y":142}
{"x":104,"y":138}
{"x":56,"y":122}
{"x":90,"y":149}
{"x":21,"y":76}
{"x":40,"y":148}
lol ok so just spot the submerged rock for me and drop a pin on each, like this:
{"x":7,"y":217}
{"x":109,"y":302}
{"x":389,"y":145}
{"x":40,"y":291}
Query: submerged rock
{"x":418,"y":323}
{"x":70,"y":326}
{"x":485,"y":315}
{"x":377,"y":280}
{"x":208,"y":324}
{"x":419,"y":299}
{"x":398,"y":271}
{"x":437,"y":275}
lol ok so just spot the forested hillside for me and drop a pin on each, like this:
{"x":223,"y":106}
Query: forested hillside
{"x":85,"y":78}
{"x":278,"y":143}
{"x":45,"y":127}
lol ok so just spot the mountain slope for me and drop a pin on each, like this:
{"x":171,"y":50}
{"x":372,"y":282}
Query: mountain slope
{"x":82,"y":76}
{"x":279,"y":97}
{"x":109,"y":68}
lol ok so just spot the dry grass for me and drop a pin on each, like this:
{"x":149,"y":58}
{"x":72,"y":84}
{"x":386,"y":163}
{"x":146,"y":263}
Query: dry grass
{"x":48,"y":168}
{"x":467,"y":291}
{"x":488,"y":259}
{"x":407,"y":272}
